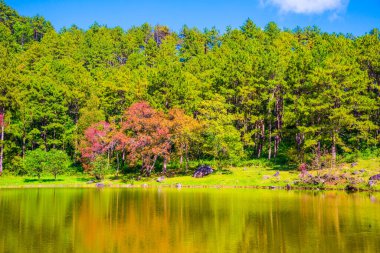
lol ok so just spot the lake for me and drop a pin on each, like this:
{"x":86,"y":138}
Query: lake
{"x":187,"y":220}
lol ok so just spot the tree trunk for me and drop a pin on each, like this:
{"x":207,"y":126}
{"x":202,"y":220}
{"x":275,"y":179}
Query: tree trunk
{"x":23,"y":137}
{"x":276,"y":144}
{"x":261,"y":138}
{"x":123,"y":162}
{"x":333,"y":151}
{"x":152,"y":166}
{"x":318,"y":158}
{"x":299,"y":140}
{"x":259,"y":150}
{"x":270,"y":140}
{"x":23,"y":146}
{"x":142,"y":165}
{"x":164,"y":166}
{"x":270,"y":127}
{"x":118,"y":164}
{"x":108,"y":159}
{"x":1,"y":147}
{"x":187,"y":157}
{"x":279,"y":108}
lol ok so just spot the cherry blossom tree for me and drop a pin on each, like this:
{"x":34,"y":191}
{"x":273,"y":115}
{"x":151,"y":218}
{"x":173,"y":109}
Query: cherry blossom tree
{"x":148,"y":136}
{"x":97,"y":142}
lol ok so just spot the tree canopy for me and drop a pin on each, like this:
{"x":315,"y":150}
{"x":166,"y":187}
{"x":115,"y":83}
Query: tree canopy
{"x":151,"y":94}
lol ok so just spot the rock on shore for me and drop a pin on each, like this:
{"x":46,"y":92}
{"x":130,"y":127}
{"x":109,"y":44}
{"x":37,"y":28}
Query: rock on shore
{"x":202,"y":171}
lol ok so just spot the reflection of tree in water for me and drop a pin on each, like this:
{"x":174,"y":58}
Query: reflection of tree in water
{"x":35,"y":218}
{"x":204,"y":220}
{"x":329,"y":222}
{"x":265,"y":227}
{"x":144,"y":221}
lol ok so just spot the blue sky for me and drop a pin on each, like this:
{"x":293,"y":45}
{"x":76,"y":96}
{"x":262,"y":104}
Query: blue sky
{"x":346,"y":16}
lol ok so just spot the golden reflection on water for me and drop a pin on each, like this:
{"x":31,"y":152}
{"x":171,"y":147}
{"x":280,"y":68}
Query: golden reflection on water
{"x":187,"y":220}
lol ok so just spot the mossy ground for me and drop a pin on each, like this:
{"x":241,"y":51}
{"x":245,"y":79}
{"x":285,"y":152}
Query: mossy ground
{"x":247,"y":176}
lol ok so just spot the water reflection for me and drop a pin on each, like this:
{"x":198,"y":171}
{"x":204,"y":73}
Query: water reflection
{"x":189,"y":220}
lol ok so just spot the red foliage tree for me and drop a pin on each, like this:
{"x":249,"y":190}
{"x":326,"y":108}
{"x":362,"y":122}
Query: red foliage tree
{"x":185,"y":131}
{"x":118,"y":143}
{"x":144,"y":135}
{"x":98,"y":140}
{"x":148,"y":136}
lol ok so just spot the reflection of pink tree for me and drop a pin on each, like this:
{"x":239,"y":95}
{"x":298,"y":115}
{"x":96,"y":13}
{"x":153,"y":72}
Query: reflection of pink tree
{"x":2,"y":126}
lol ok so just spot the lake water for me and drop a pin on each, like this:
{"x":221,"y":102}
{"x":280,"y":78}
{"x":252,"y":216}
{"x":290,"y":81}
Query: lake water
{"x":187,"y":220}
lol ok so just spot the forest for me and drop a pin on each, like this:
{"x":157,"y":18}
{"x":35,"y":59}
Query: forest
{"x":152,"y":99}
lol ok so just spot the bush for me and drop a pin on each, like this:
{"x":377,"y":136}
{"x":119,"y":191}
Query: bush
{"x":57,"y":162}
{"x":350,"y":158}
{"x":34,"y":161}
{"x":100,"y":167}
{"x":18,"y":167}
{"x":39,"y":161}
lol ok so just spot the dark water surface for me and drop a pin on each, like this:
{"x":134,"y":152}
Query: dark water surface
{"x":187,"y":220}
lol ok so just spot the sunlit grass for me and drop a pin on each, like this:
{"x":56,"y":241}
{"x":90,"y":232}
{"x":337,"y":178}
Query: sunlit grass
{"x":247,"y":176}
{"x":18,"y":181}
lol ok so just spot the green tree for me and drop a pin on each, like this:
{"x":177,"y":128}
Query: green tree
{"x":222,"y":139}
{"x":100,"y":167}
{"x":34,"y":162}
{"x":57,"y":162}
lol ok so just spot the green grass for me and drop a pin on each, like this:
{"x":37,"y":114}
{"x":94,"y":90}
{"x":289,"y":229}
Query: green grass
{"x":236,"y":176}
{"x":250,"y":175}
{"x":27,"y":181}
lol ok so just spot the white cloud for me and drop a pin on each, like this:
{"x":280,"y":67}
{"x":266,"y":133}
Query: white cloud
{"x":307,"y":6}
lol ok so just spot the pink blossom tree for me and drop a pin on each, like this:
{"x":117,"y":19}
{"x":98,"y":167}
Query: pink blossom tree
{"x":97,"y":142}
{"x":148,"y":136}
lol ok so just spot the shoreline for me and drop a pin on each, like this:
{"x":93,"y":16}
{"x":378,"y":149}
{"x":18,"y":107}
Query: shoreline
{"x":152,"y":186}
{"x":345,"y":178}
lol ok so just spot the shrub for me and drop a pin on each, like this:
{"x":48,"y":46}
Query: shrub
{"x":39,"y":161}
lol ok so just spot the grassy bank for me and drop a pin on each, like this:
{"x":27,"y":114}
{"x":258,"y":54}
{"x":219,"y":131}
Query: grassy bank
{"x":248,"y":176}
